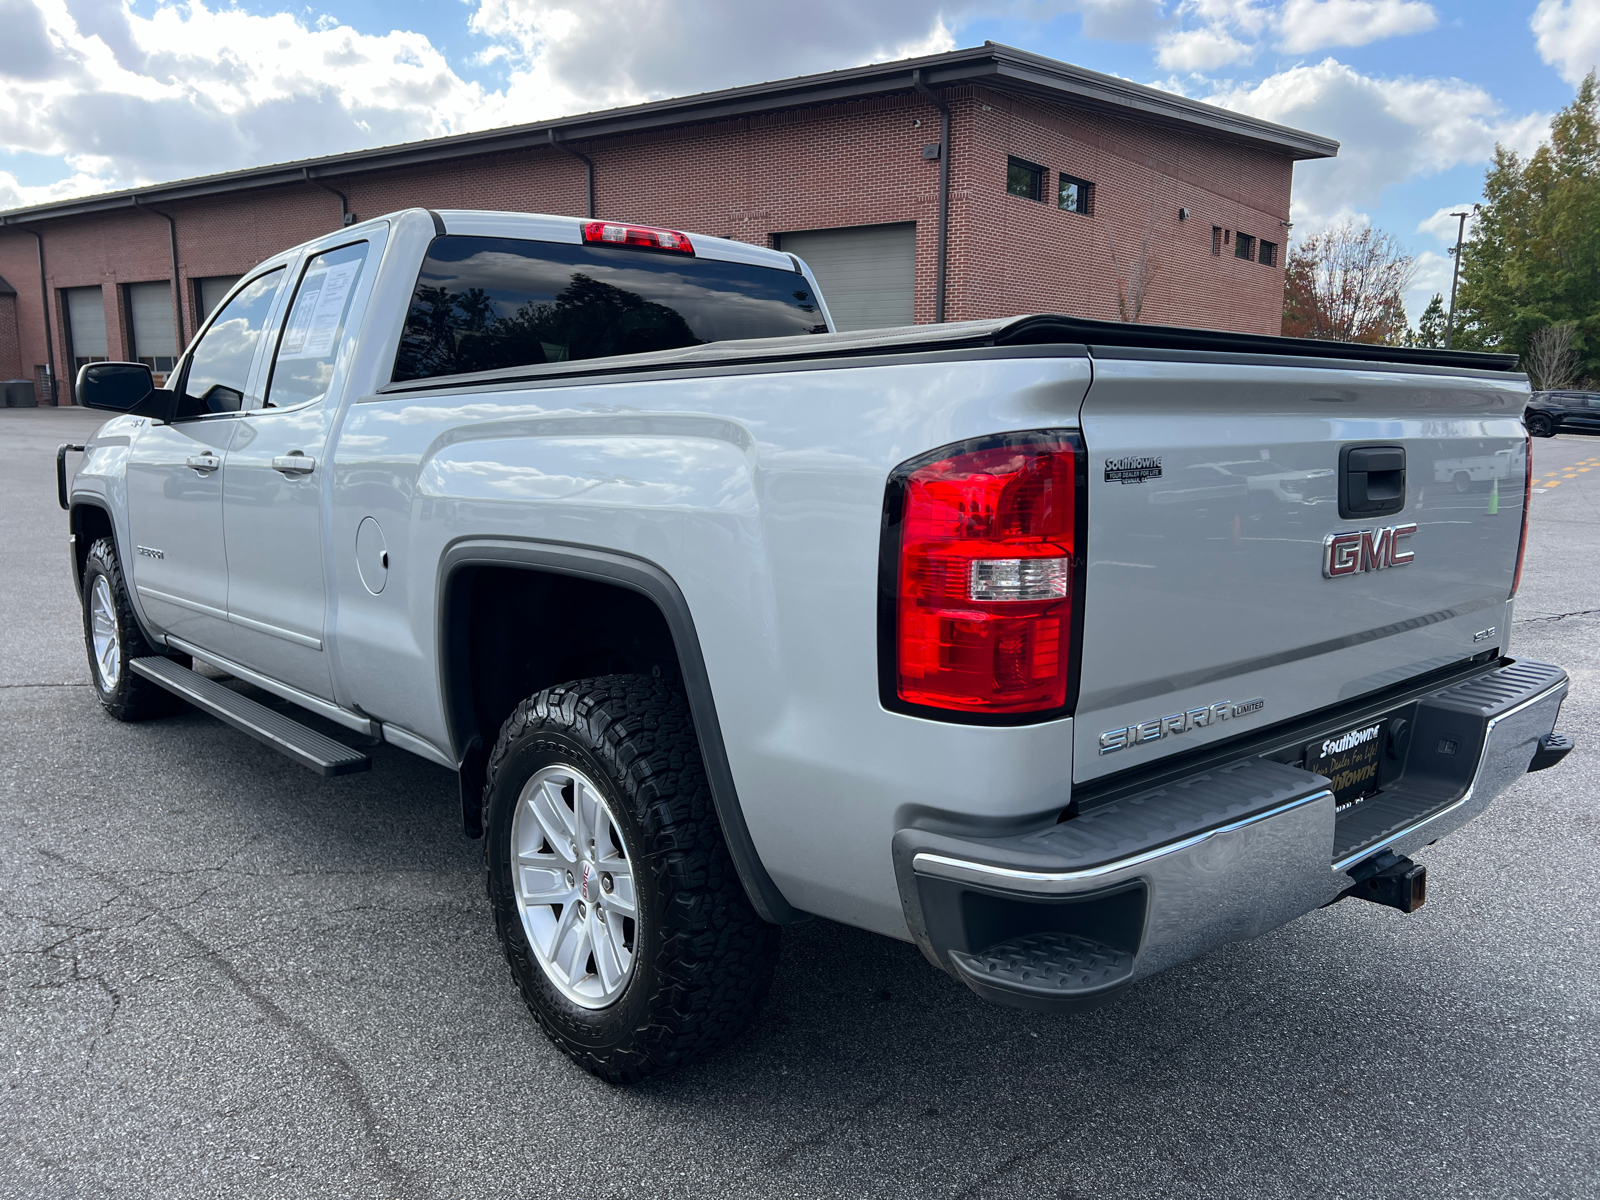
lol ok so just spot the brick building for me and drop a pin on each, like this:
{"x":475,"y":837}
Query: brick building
{"x":976,"y":183}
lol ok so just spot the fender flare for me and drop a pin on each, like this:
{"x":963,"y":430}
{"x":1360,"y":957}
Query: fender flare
{"x":638,"y":575}
{"x":80,"y":501}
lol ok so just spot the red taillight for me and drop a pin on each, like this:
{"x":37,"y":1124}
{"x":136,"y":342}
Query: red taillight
{"x":983,"y":595}
{"x":1527,"y":497}
{"x":615,"y":233}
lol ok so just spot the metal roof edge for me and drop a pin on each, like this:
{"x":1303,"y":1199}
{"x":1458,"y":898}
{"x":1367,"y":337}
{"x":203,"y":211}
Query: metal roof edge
{"x":1113,"y":93}
{"x":993,"y":64}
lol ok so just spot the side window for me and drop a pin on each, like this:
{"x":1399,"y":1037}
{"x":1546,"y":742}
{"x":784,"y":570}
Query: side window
{"x":219,"y":368}
{"x":314,"y":332}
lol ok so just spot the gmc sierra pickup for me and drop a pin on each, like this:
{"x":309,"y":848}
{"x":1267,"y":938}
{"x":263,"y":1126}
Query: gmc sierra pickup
{"x":1066,"y":650}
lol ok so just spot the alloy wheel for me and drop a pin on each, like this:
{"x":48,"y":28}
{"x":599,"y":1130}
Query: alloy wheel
{"x":103,"y":629}
{"x":573,"y":877}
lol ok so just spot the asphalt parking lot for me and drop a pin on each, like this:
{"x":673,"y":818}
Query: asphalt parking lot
{"x":224,"y":976}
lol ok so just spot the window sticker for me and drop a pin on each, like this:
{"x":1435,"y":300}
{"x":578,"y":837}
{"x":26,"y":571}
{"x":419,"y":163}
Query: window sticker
{"x":318,"y":311}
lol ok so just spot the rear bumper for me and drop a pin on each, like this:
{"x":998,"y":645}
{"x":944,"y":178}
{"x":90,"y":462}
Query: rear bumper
{"x":1065,"y":916}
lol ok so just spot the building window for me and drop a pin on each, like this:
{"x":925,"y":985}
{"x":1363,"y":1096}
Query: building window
{"x":1075,"y":195}
{"x":1269,"y":254}
{"x":1244,"y":246}
{"x":1024,"y":179}
{"x":1216,"y":239}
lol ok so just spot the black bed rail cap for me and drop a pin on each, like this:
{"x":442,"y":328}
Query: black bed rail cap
{"x":1048,"y":328}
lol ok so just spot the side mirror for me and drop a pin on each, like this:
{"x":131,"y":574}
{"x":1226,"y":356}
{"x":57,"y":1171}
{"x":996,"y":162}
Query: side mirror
{"x":125,"y":388}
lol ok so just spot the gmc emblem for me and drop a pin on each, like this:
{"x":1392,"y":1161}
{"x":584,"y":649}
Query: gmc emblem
{"x":1365,"y":550}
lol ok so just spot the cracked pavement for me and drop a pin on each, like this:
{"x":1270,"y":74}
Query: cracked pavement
{"x":223,"y":976}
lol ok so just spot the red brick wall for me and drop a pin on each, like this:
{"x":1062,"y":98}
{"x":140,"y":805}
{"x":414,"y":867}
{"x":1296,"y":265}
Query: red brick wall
{"x":857,"y":163}
{"x":10,"y":347}
{"x":1018,"y":255}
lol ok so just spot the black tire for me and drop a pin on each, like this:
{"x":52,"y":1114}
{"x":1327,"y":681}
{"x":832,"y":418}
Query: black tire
{"x":702,"y":959}
{"x":129,"y":697}
{"x":1463,"y":482}
{"x":1540,"y":425}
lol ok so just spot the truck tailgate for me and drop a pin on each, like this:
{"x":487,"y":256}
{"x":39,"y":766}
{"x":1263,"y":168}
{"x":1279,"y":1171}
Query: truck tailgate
{"x":1212,"y":489}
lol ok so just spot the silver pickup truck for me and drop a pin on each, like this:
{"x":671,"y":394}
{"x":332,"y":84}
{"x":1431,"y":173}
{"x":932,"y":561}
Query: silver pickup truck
{"x":1066,"y":650}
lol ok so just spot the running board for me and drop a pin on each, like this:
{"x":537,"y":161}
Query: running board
{"x":306,"y":746}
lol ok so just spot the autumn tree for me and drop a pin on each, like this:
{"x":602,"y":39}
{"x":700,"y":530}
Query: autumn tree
{"x":1533,"y":260}
{"x":1346,"y":284}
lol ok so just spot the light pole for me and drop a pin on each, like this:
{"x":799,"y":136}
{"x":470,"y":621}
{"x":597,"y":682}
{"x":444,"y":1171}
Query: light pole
{"x":1455,"y":276}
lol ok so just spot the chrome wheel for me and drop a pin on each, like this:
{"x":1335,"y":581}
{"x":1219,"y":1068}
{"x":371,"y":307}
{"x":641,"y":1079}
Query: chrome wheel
{"x":573,"y":878}
{"x":103,"y":627}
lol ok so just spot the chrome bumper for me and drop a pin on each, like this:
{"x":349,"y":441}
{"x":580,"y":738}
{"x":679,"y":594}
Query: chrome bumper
{"x":1064,"y":916}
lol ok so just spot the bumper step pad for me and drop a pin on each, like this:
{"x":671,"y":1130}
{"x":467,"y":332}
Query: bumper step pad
{"x":285,"y":735}
{"x":1047,"y":964}
{"x":1442,"y":761}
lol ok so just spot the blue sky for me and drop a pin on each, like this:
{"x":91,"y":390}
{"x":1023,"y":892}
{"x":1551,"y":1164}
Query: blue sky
{"x":100,"y":94}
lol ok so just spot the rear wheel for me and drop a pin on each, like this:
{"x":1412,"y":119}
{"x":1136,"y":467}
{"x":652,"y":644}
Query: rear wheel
{"x":618,"y":906}
{"x":1540,"y":425}
{"x":112,"y":637}
{"x":1463,"y":482}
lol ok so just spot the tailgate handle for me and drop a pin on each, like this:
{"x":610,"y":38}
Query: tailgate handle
{"x":1372,"y":481}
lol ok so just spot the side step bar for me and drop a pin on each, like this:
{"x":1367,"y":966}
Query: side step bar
{"x":306,"y":746}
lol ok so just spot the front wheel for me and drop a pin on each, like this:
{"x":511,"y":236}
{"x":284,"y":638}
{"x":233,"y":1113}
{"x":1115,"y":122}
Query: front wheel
{"x":617,"y":904}
{"x":112,"y":637}
{"x":1540,"y":425}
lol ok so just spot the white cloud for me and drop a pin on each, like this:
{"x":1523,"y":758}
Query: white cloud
{"x":1432,"y":279}
{"x":1202,"y":35}
{"x":1120,"y":20}
{"x":1390,"y":130}
{"x":1307,"y":25}
{"x":128,"y":99}
{"x":16,"y":195}
{"x":1568,"y":36}
{"x":190,"y":89}
{"x":1200,"y":50}
{"x":622,"y":51}
{"x":1434,"y":268}
{"x":1444,"y":223}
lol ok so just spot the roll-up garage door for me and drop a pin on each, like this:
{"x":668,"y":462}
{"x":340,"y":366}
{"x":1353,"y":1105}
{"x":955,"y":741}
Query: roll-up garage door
{"x":150,"y":313}
{"x":86,"y":326}
{"x":213,"y":291}
{"x":867,"y":273}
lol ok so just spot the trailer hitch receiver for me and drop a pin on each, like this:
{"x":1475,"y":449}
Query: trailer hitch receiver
{"x":1389,"y":879}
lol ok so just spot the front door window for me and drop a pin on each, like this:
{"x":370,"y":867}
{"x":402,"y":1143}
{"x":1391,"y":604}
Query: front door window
{"x":219,"y":368}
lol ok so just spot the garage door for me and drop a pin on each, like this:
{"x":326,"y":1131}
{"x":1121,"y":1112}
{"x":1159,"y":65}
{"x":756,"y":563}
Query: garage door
{"x":867,"y":273}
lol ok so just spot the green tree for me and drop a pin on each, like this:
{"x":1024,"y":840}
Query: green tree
{"x":1534,"y":256}
{"x":1430,"y":326}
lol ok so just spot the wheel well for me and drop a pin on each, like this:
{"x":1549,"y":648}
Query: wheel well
{"x":89,"y":523}
{"x":509,"y":632}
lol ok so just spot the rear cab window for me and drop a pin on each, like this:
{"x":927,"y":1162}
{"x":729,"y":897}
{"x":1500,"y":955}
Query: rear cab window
{"x":483,"y":303}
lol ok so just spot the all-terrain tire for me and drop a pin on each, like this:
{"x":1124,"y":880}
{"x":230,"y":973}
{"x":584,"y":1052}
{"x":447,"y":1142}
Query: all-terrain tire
{"x":703,"y":959}
{"x":123,"y":694}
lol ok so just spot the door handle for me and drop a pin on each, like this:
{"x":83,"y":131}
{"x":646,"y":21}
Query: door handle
{"x":294,"y":464}
{"x":204,"y":463}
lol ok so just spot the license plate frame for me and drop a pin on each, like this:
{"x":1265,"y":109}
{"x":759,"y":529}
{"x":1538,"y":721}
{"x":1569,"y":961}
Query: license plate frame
{"x":1352,"y":760}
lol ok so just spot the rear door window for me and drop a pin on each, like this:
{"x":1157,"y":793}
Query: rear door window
{"x":312,"y":337}
{"x":482,"y":303}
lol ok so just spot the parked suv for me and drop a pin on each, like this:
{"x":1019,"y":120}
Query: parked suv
{"x":1550,"y":413}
